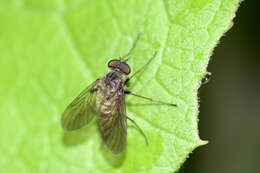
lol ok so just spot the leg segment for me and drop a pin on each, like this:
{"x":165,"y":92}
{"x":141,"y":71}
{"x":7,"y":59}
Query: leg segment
{"x":146,"y":140}
{"x":150,"y":60}
{"x":147,"y":98}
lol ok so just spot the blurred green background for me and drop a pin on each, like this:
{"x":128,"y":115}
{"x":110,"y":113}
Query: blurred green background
{"x":230,"y":102}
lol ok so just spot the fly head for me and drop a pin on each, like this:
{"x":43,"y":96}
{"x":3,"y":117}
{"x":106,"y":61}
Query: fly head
{"x":119,"y":65}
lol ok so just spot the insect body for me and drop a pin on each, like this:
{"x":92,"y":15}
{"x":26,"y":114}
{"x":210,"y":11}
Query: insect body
{"x":106,"y":98}
{"x":111,"y":110}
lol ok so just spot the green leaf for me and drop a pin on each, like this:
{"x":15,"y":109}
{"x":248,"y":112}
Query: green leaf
{"x":50,"y":50}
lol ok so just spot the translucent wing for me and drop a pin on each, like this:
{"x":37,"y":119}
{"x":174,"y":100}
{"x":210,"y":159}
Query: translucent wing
{"x":114,"y":132}
{"x":81,"y":111}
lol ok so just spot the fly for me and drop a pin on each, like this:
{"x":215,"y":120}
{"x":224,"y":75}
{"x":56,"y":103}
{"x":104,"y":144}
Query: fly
{"x":105,"y":98}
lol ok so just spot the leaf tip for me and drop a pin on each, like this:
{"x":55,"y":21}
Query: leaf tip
{"x":202,"y":142}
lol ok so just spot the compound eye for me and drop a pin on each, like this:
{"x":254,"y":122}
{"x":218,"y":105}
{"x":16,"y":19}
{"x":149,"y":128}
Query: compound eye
{"x":114,"y":64}
{"x":125,"y":68}
{"x":119,"y":65}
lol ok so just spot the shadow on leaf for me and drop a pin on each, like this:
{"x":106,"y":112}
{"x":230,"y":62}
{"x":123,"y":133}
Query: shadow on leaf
{"x":80,"y":136}
{"x":115,"y":160}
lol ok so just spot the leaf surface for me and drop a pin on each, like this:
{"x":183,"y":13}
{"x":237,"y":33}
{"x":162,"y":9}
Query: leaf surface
{"x":52,"y":49}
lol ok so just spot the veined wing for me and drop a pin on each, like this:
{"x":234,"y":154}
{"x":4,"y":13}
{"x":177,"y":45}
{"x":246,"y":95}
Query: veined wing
{"x":114,"y":133}
{"x":80,"y":111}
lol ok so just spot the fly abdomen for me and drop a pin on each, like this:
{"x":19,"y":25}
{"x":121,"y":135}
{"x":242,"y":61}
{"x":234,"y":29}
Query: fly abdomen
{"x":105,"y":108}
{"x":105,"y":123}
{"x":106,"y":115}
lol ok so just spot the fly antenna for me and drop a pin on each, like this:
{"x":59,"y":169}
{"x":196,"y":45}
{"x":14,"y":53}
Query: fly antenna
{"x":124,"y":58}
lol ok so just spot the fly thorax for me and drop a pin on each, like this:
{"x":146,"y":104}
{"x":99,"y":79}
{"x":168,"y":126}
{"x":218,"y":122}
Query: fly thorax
{"x":113,"y":82}
{"x":110,"y":89}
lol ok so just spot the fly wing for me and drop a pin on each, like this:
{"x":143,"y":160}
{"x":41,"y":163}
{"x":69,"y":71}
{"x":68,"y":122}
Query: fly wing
{"x":114,"y":133}
{"x":81,"y":110}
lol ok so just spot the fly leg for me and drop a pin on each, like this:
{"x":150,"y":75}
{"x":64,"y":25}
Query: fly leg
{"x":150,"y":60}
{"x":136,"y":125}
{"x":150,"y":99}
{"x":132,"y":48}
